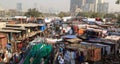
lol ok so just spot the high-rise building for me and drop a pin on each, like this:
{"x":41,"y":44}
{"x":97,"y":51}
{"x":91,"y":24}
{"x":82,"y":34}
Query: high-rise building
{"x":86,"y":7}
{"x":75,"y":4}
{"x":103,"y":7}
{"x":19,"y":6}
{"x":95,"y":5}
{"x":89,"y":5}
{"x":106,"y":7}
{"x":90,"y":1}
{"x":93,"y":2}
{"x":100,"y":1}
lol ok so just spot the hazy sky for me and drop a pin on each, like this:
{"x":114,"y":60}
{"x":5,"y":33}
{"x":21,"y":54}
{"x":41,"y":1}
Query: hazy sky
{"x":61,"y":5}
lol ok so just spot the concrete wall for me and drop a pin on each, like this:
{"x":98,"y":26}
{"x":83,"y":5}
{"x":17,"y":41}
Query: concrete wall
{"x":3,"y":40}
{"x":2,"y":24}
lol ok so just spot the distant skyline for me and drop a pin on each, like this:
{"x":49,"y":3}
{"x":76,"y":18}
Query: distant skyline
{"x":49,"y":5}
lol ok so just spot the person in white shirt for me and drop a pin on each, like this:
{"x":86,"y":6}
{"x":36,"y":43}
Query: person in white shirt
{"x":61,"y":59}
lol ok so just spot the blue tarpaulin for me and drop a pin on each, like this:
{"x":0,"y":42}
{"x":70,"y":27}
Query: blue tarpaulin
{"x":69,"y":36}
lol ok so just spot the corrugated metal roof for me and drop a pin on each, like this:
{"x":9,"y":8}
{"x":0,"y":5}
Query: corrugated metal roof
{"x":25,"y":25}
{"x":14,"y":31}
{"x":14,"y":28}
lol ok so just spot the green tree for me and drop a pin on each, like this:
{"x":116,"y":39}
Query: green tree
{"x":87,"y":14}
{"x":90,"y":14}
{"x":83,"y":14}
{"x":33,"y":12}
{"x":94,"y":15}
{"x":109,"y":16}
{"x":63,"y":14}
{"x":118,"y":18}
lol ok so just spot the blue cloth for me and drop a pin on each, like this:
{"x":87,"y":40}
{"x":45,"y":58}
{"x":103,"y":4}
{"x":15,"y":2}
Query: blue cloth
{"x":69,"y":36}
{"x":42,"y":28}
{"x":81,"y":58}
{"x":71,"y":32}
{"x":8,"y":46}
{"x":61,"y":49}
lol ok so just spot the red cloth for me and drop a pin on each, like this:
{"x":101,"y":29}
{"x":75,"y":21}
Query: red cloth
{"x":63,"y":31}
{"x":75,"y":28}
{"x":20,"y":45}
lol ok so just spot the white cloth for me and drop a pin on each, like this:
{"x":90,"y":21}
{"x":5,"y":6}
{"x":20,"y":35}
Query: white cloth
{"x":108,"y":49}
{"x":59,"y":57}
{"x":9,"y":55}
{"x":72,"y":55}
{"x":60,"y":28}
{"x":119,"y":50}
{"x":104,"y":31}
{"x":67,"y":56}
{"x":72,"y":61}
{"x":5,"y":59}
{"x":61,"y":61}
{"x":68,"y":29}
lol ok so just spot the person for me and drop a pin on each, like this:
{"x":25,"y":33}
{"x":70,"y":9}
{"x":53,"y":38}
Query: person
{"x":81,"y":58}
{"x":42,"y":61}
{"x":11,"y":60}
{"x":21,"y":55}
{"x":61,"y":50}
{"x":31,"y":60}
{"x":0,"y":59}
{"x":3,"y":55}
{"x":119,"y":51}
{"x":71,"y":31}
{"x":61,"y":59}
{"x":53,"y":33}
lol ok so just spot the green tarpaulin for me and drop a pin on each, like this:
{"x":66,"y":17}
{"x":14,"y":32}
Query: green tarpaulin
{"x":38,"y":52}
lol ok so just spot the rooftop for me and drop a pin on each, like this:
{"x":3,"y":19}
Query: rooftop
{"x":14,"y":28}
{"x":13,"y":31}
{"x":25,"y":25}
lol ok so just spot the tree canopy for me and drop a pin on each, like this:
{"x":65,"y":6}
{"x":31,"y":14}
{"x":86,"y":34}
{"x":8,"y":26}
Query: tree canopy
{"x":93,"y":15}
{"x":118,"y":18}
{"x":84,"y":14}
{"x":63,"y":14}
{"x":109,"y":16}
{"x":33,"y":12}
{"x":90,"y":14}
